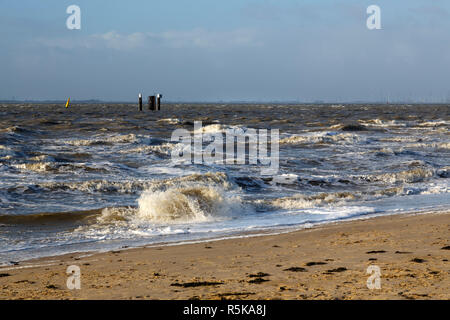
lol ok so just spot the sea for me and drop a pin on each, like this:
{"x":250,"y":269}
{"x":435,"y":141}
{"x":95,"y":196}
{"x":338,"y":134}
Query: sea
{"x":100,"y":177}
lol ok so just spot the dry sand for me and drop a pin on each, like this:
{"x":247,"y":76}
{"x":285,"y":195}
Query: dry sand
{"x":327,"y":262}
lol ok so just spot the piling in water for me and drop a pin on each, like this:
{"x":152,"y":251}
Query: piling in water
{"x":158,"y":101}
{"x":151,"y":103}
{"x":140,"y":101}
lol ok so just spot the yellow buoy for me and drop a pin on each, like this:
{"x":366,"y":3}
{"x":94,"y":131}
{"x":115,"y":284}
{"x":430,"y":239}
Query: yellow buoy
{"x":68,"y":103}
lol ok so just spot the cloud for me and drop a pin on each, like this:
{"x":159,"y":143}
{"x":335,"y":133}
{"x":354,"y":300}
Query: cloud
{"x":114,"y":40}
{"x":196,"y":38}
{"x":202,"y":38}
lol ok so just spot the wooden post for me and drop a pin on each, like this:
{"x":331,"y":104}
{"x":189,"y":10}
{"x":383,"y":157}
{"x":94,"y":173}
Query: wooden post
{"x":140,"y":101}
{"x":151,"y":103}
{"x":158,"y":101}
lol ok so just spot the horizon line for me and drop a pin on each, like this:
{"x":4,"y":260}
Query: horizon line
{"x":99,"y":101}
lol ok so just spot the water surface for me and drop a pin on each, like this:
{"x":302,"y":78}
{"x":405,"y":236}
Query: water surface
{"x":100,"y":176}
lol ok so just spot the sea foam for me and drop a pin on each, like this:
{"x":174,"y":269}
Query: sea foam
{"x":187,"y":204}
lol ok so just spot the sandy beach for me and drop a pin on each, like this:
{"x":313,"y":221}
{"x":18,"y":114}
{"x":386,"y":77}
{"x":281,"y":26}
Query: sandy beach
{"x":325,"y":262}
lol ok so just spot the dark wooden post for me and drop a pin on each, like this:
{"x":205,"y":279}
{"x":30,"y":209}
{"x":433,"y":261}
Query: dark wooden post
{"x":140,"y":101}
{"x":151,"y":103}
{"x":158,"y":101}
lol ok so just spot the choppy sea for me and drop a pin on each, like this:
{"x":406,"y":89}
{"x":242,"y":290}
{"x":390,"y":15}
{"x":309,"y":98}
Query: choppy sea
{"x":98,"y":177}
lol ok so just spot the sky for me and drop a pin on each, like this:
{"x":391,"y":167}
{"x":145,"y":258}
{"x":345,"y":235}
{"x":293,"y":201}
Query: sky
{"x":226,"y":50}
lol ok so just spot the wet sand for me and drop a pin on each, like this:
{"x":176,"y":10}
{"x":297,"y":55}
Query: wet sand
{"x":326,"y":262}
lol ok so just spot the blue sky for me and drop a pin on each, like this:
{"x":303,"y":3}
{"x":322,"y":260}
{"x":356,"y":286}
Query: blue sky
{"x":211,"y":50}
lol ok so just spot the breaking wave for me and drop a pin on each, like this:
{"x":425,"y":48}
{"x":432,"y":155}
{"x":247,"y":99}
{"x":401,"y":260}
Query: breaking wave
{"x":170,"y":121}
{"x":52,"y":167}
{"x":322,"y":138}
{"x":193,"y":198}
{"x":188,"y":204}
{"x":163,"y":149}
{"x":382,"y":123}
{"x":220,"y":128}
{"x":16,"y":129}
{"x":106,"y":140}
{"x":218,"y":179}
{"x":406,"y":176}
{"x":301,"y":201}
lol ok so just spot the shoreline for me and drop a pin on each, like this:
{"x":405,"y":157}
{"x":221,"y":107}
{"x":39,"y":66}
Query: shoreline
{"x":327,"y":261}
{"x":243,"y":234}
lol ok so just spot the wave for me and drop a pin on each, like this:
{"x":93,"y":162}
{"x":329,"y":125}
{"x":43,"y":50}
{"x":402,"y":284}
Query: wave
{"x":406,"y":176}
{"x":108,"y":140}
{"x":186,"y":204}
{"x":432,"y":145}
{"x":170,"y":121}
{"x":382,"y":123}
{"x":395,"y":123}
{"x":212,"y":128}
{"x":52,"y":167}
{"x":418,"y":173}
{"x":36,"y":167}
{"x":329,"y":137}
{"x":220,"y":128}
{"x":301,"y":201}
{"x":16,"y":129}
{"x":136,"y":186}
{"x":219,"y":179}
{"x":436,"y":123}
{"x":8,"y":153}
{"x":195,"y":198}
{"x":161,"y":150}
{"x":410,"y":149}
{"x":51,"y":217}
{"x":402,"y":139}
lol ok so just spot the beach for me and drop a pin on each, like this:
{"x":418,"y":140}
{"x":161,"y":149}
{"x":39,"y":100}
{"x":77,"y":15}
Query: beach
{"x":232,"y":150}
{"x":324,"y":262}
{"x":99,"y":190}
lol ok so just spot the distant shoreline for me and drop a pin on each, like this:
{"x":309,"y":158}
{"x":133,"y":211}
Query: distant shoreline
{"x":225,"y":102}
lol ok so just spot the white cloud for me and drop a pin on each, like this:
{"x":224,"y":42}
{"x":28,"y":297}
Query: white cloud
{"x":208,"y":39}
{"x":114,"y":40}
{"x":196,"y":38}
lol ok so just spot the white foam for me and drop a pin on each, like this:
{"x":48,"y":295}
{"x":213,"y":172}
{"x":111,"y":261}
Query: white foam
{"x":220,"y":128}
{"x":170,"y":120}
{"x":382,"y":123}
{"x":164,"y":148}
{"x":105,"y":139}
{"x":186,"y":204}
{"x":341,"y":212}
{"x":330,"y":137}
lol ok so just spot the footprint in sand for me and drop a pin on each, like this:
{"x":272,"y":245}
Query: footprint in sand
{"x":331,"y":271}
{"x":296,"y":269}
{"x":418,"y":260}
{"x":313,"y":263}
